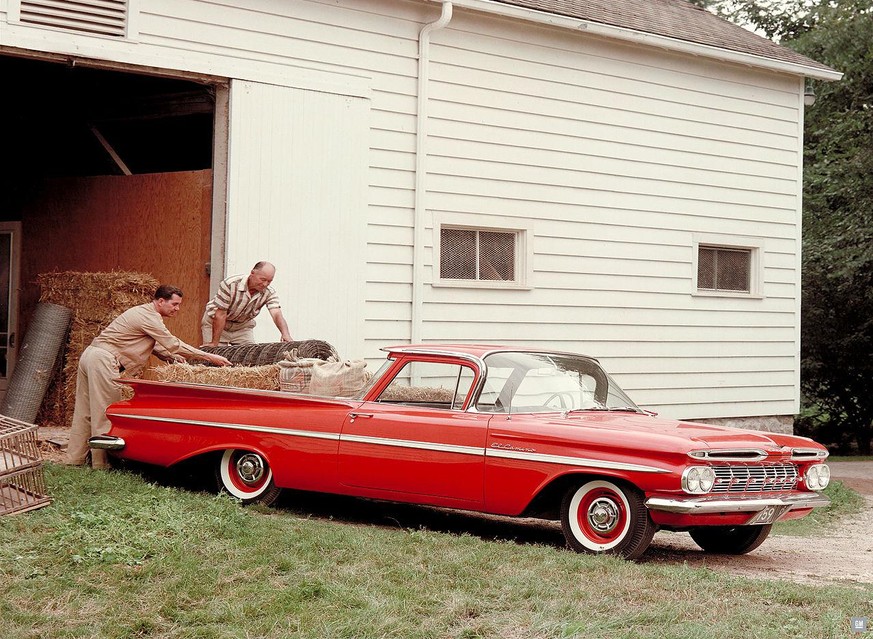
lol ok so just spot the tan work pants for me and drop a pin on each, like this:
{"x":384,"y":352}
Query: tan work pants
{"x":234,"y":332}
{"x":95,"y":391}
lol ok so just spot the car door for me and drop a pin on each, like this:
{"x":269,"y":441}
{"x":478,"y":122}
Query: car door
{"x":415,"y":442}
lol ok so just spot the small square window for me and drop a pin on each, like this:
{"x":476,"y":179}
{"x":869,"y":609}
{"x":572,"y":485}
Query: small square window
{"x":480,"y":255}
{"x":724,"y":269}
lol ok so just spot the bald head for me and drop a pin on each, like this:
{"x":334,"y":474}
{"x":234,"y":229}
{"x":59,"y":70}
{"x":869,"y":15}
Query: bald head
{"x":261,"y":277}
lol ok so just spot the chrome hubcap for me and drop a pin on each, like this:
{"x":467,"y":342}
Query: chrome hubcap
{"x":603,"y":515}
{"x":250,"y":468}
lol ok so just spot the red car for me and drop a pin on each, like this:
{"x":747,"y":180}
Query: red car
{"x":502,"y":430}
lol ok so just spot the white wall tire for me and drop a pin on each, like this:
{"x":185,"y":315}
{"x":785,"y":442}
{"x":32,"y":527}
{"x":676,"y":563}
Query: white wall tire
{"x":600,"y":517}
{"x":247,"y":476}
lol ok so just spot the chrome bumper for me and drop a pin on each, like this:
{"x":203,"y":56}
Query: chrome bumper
{"x":709,"y":505}
{"x":106,"y":442}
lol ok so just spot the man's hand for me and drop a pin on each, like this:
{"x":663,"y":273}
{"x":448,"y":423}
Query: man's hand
{"x":286,"y":338}
{"x":218,"y":360}
{"x":210,"y":344}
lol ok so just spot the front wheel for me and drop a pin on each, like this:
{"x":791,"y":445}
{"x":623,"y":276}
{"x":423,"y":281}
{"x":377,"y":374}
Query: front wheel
{"x":730,"y":540}
{"x":247,"y":476}
{"x":605,"y":517}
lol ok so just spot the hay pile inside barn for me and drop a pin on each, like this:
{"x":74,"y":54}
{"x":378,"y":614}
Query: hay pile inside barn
{"x":257,"y":377}
{"x":95,"y":299}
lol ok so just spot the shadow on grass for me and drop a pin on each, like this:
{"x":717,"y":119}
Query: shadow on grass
{"x":198,"y":476}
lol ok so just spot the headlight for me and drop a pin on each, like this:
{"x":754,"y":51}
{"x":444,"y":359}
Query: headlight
{"x":698,"y":480}
{"x":817,"y":477}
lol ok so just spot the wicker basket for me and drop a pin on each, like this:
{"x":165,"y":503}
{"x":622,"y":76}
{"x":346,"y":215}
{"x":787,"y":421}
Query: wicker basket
{"x":22,"y":485}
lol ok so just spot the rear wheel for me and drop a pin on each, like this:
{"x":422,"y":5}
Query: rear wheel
{"x":605,"y":517}
{"x":247,"y":476}
{"x":730,"y":540}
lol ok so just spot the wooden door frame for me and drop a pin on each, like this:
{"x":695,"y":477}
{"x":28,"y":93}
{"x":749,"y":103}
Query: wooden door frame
{"x":13,"y":340}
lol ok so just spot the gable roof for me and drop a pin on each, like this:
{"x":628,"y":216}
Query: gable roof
{"x":677,"y":20}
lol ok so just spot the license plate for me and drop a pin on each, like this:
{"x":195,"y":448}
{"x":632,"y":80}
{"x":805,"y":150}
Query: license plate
{"x":767,"y":516}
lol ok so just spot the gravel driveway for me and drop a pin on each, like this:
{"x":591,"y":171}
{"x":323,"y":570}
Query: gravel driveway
{"x":843,"y":555}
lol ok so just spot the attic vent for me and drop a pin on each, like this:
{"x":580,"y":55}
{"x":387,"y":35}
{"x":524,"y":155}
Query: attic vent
{"x":99,"y":17}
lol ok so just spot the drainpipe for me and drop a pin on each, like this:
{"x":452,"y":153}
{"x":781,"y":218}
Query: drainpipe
{"x":420,"y":169}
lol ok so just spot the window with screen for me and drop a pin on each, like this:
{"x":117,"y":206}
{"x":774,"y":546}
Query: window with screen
{"x":478,"y":255}
{"x":725,"y":269}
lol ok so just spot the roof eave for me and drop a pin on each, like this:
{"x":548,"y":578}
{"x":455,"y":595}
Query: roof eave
{"x":648,"y":39}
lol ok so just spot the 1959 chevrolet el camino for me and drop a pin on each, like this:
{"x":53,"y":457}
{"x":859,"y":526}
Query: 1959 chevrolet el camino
{"x":501,"y":430}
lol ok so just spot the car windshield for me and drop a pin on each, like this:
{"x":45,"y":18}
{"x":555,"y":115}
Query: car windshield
{"x":548,"y":382}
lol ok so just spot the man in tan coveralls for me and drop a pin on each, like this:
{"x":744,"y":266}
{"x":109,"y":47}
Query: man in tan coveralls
{"x":123,"y":347}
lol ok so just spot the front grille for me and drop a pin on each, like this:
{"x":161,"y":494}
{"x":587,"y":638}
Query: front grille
{"x":759,"y":478}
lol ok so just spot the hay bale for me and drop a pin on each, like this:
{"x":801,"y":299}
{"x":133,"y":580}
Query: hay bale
{"x":417,"y":394}
{"x":95,"y":299}
{"x":255,"y":377}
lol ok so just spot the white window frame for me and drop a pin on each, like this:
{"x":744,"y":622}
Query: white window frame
{"x":755,"y":246}
{"x":522,"y":229}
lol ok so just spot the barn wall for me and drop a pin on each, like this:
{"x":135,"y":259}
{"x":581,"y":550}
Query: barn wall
{"x":622,"y":158}
{"x":616,"y":157}
{"x":157,"y":224}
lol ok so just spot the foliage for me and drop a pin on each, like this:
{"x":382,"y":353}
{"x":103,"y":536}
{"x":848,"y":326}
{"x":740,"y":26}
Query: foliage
{"x":117,"y":557}
{"x":837,"y":322}
{"x":837,"y":297}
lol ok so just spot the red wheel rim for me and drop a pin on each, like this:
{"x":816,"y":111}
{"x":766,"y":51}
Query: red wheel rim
{"x":245,"y":474}
{"x":599,"y":515}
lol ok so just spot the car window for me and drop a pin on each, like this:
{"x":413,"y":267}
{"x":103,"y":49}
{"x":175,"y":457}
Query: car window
{"x":431,"y":385}
{"x":542,"y":382}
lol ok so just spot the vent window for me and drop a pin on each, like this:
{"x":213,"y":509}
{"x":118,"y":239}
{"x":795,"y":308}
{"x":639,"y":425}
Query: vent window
{"x":724,"y":269}
{"x":95,"y":17}
{"x":477,"y":254}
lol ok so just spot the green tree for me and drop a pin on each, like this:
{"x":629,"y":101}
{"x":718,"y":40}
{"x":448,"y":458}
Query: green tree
{"x":837,"y":319}
{"x":837,"y":297}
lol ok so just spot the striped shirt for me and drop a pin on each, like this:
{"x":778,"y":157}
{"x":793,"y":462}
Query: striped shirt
{"x":233,"y":296}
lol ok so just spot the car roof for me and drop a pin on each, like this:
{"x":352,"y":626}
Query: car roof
{"x":474,"y":350}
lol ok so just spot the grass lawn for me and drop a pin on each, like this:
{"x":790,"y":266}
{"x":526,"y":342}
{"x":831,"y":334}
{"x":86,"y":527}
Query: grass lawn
{"x":118,"y":556}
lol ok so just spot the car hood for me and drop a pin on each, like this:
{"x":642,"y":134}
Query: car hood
{"x":679,"y":434}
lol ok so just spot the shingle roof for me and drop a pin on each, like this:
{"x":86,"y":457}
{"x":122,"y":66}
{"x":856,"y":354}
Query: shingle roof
{"x":678,"y":19}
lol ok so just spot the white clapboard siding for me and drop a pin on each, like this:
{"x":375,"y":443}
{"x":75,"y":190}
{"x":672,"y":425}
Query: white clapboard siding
{"x":615,"y":156}
{"x":297,"y":197}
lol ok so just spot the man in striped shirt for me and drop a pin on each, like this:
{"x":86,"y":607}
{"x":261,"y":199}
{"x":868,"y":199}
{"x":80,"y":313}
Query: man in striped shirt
{"x":230,"y":315}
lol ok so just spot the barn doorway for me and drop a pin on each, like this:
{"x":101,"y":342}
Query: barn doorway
{"x":110,"y":170}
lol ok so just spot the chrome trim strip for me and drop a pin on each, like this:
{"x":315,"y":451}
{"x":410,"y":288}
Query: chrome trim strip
{"x":729,"y":454}
{"x":408,"y":443}
{"x":106,"y":442}
{"x":806,"y":454}
{"x":705,"y":506}
{"x":257,"y":429}
{"x":571,"y":461}
{"x":418,"y":445}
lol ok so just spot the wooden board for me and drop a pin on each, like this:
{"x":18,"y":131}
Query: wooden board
{"x":156,"y":223}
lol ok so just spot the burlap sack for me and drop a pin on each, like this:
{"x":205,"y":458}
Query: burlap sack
{"x":338,"y":379}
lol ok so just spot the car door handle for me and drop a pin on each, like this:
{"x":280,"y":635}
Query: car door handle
{"x":354,"y":416}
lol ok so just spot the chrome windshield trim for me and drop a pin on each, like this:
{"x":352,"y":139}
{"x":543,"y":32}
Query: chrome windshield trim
{"x":249,"y":427}
{"x":570,"y":461}
{"x":709,"y":505}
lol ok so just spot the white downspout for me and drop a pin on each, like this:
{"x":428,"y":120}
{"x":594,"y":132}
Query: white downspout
{"x":421,"y":170}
